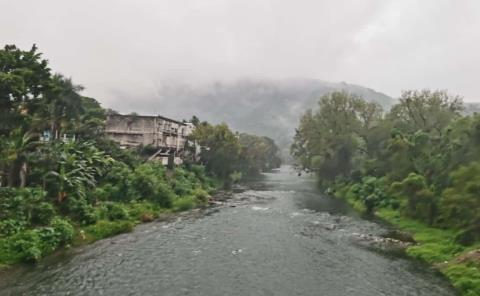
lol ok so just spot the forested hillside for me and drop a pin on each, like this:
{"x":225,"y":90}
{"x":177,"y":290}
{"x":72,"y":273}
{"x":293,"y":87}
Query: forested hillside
{"x":417,"y":165}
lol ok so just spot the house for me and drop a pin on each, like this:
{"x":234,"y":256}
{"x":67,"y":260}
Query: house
{"x":168,"y":137}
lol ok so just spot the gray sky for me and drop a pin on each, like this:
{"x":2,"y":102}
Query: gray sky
{"x":134,"y":46}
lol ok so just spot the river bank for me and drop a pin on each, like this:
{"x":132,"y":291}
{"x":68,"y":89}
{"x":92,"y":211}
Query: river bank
{"x":111,"y":218}
{"x":458,"y":263}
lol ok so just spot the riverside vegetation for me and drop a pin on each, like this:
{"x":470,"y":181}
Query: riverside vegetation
{"x":416,"y":166}
{"x":75,"y":186}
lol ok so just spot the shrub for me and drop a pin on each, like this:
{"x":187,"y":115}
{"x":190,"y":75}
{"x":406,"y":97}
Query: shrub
{"x":115,"y":211}
{"x":11,"y":226}
{"x":115,"y":184}
{"x":371,"y":193}
{"x":7,"y":195}
{"x":59,"y":233}
{"x":149,"y":183}
{"x":27,"y":246}
{"x":139,"y":209}
{"x":48,"y":239}
{"x":199,"y":172}
{"x":201,"y":195}
{"x":63,"y":229}
{"x":163,"y":195}
{"x":81,"y":211}
{"x":20,"y":203}
{"x":43,"y":213}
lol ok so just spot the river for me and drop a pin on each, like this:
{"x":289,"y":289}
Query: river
{"x":280,"y":236}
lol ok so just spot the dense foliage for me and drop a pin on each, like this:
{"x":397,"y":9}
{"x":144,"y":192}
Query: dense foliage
{"x":61,"y":181}
{"x":230,"y":155}
{"x":420,"y":158}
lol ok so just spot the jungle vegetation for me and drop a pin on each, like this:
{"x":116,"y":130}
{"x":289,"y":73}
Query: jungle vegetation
{"x":417,"y":165}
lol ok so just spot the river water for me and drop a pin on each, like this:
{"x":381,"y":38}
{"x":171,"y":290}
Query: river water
{"x":281,"y":236}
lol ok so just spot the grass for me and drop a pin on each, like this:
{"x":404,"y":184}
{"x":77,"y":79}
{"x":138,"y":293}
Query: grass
{"x":464,"y":277}
{"x":438,"y":248}
{"x":184,"y":203}
{"x":102,"y":229}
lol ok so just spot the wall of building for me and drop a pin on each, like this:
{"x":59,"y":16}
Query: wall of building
{"x":157,"y":131}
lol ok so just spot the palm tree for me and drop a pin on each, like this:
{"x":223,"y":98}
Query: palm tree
{"x":64,"y":104}
{"x":17,"y":147}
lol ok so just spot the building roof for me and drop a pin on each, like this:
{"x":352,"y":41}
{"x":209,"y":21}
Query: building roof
{"x":147,"y":116}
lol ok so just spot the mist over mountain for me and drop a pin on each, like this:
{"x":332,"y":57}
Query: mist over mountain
{"x":264,"y":107}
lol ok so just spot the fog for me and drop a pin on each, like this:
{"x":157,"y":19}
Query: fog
{"x":127,"y":51}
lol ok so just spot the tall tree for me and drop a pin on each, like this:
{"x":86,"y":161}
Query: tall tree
{"x":24,"y":80}
{"x":429,"y":111}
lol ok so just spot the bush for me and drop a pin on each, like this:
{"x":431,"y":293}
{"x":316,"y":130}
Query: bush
{"x":26,"y":245}
{"x":139,"y":209}
{"x":11,"y":226}
{"x":115,"y":184}
{"x":371,"y":193}
{"x":59,"y":233}
{"x":149,"y":183}
{"x":43,"y":213}
{"x":63,"y":229}
{"x":20,"y":203}
{"x":115,"y":211}
{"x":163,"y":195}
{"x":81,"y":211}
{"x":199,"y":172}
{"x":201,"y":195}
{"x":7,"y":195}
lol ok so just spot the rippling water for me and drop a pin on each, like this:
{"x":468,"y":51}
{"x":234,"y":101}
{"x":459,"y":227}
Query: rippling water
{"x":280,"y":237}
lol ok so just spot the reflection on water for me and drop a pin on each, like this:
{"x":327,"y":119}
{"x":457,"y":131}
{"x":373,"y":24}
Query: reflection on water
{"x":281,"y":236}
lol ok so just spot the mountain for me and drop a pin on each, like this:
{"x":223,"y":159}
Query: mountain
{"x":263,"y":107}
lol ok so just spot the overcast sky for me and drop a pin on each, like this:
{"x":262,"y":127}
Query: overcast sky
{"x":133,"y":46}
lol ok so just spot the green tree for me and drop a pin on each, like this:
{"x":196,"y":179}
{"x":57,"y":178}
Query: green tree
{"x":425,"y":110}
{"x":337,"y":138}
{"x":421,"y":201}
{"x":24,"y":80}
{"x":461,"y":200}
{"x":220,"y":149}
{"x":16,"y":151}
{"x":258,"y":154}
{"x":63,"y":105}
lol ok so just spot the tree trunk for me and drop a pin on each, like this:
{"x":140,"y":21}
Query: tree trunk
{"x":17,"y":174}
{"x":23,"y":175}
{"x":13,"y":175}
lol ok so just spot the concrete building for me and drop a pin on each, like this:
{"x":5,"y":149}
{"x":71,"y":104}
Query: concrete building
{"x":166,"y":135}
